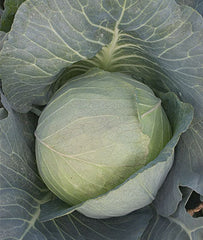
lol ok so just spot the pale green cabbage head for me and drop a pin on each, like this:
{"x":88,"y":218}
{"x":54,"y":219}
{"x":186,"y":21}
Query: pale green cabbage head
{"x":98,"y":130}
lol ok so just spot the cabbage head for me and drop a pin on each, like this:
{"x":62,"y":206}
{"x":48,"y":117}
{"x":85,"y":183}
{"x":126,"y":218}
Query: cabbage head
{"x":98,"y":130}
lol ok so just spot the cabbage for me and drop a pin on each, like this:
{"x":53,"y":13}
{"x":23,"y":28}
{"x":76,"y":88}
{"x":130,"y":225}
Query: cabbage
{"x":97,"y":130}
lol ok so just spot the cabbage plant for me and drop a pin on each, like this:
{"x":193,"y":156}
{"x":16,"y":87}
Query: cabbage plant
{"x":101,"y":119}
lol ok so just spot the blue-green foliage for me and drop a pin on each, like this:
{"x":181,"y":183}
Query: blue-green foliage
{"x":157,"y":42}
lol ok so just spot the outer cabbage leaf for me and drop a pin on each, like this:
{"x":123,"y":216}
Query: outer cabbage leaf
{"x":179,"y":226}
{"x":159,"y":42}
{"x":77,"y":226}
{"x":3,"y":37}
{"x":46,"y":37}
{"x":196,"y":4}
{"x":186,"y":171}
{"x":21,"y":190}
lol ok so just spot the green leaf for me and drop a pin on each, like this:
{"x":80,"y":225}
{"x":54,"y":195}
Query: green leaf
{"x":150,"y":111}
{"x":77,"y":226}
{"x":180,"y":225}
{"x":10,"y":8}
{"x":3,"y":37}
{"x":21,"y":190}
{"x":157,"y":41}
{"x":186,"y":171}
{"x":48,"y":36}
{"x":196,"y":4}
